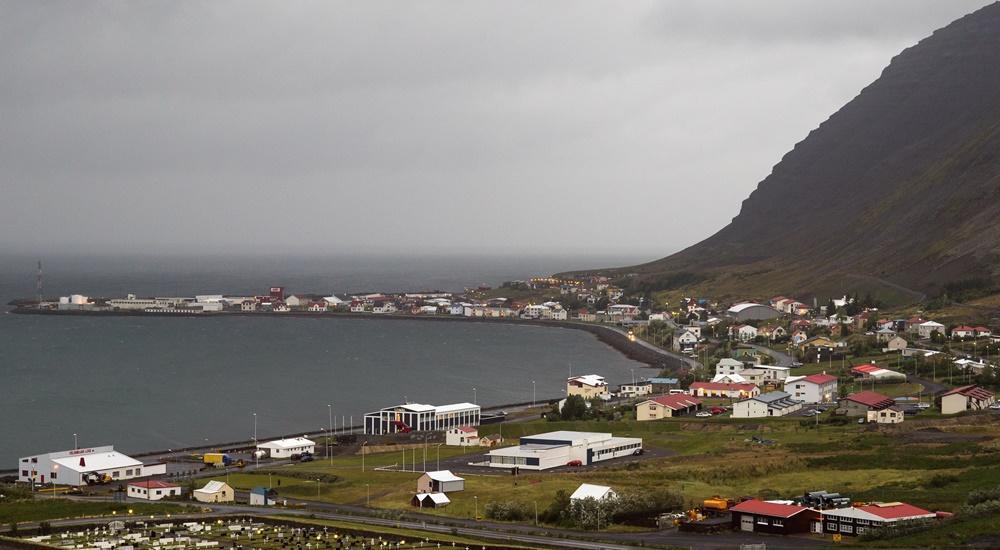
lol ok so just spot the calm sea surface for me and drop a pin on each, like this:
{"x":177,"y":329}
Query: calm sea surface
{"x":153,"y":383}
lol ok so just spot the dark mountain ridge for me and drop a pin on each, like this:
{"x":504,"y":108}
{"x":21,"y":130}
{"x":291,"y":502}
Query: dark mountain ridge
{"x":899,"y":188}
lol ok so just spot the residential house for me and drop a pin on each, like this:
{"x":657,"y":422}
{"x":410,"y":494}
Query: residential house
{"x":858,"y":404}
{"x":925,"y":329}
{"x":815,"y":388}
{"x":462,"y":436}
{"x":798,"y":337}
{"x":263,"y":496}
{"x":971,"y":365}
{"x":772,"y":332}
{"x":775,"y":403}
{"x":743,"y":333}
{"x":666,"y":406}
{"x":214,"y":491}
{"x":890,"y":415}
{"x":728,"y":365}
{"x":885,"y":334}
{"x":317,"y":307}
{"x":983,"y":332}
{"x":636,"y":389}
{"x":896,"y":343}
{"x":962,"y":332}
{"x":153,"y":490}
{"x":760,"y":516}
{"x":587,"y":386}
{"x":817,"y":342}
{"x":717,"y":389}
{"x":966,"y":398}
{"x":859,"y":520}
{"x":684,"y":340}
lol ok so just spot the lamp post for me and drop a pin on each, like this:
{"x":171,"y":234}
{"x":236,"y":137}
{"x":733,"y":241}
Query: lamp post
{"x":317,"y":487}
{"x":474,"y":398}
{"x":476,"y":500}
{"x":439,"y":456}
{"x":368,"y":495}
{"x":329,"y":409}
{"x":256,"y":460}
{"x":532,"y":393}
{"x":363,"y":455}
{"x":75,"y":445}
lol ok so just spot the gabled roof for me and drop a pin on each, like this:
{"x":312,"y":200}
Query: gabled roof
{"x":443,"y":476}
{"x":213,"y":487}
{"x":291,"y":443}
{"x":437,"y":498}
{"x":467,"y":429}
{"x":871,"y":399}
{"x":676,"y":401}
{"x":820,"y":378}
{"x":153,"y":484}
{"x":589,"y":379}
{"x":973,"y":391}
{"x":722,"y":386}
{"x":772,"y":509}
{"x":596,"y":492}
{"x":895,"y":510}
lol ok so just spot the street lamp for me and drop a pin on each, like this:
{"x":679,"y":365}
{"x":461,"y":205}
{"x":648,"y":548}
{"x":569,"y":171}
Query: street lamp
{"x":474,"y":401}
{"x":532,"y":393}
{"x":476,"y":500}
{"x":75,"y":445}
{"x":363,"y":455}
{"x":329,"y":409}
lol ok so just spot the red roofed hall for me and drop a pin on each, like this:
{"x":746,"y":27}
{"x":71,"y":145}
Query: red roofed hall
{"x":815,"y":388}
{"x":858,"y":404}
{"x":966,"y":398}
{"x":723,"y":389}
{"x":153,"y":490}
{"x":666,"y":406}
{"x":859,"y":520}
{"x":759,"y":516}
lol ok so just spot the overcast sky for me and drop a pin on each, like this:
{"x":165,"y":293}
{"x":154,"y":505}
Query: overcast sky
{"x":332,"y":127}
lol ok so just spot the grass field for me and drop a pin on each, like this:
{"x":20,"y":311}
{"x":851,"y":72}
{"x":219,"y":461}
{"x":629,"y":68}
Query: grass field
{"x":933,"y":465}
{"x":42,"y":509}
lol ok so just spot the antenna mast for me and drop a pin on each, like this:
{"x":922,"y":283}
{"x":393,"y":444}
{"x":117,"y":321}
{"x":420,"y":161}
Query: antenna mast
{"x":38,"y":284}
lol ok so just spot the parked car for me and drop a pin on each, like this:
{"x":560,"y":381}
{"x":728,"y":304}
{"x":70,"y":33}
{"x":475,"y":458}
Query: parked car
{"x":704,"y":414}
{"x":306,"y":458}
{"x":995,"y":407}
{"x":575,"y":463}
{"x":717,"y":410}
{"x":923,"y":405}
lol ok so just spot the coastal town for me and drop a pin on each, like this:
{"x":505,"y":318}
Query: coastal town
{"x":769,"y":376}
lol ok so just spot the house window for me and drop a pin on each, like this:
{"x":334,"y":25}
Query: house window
{"x":778,"y":522}
{"x":846,"y":528}
{"x":52,"y":475}
{"x":116,"y":473}
{"x":761,"y":521}
{"x":24,"y":473}
{"x":128,"y":472}
{"x":831,"y":526}
{"x":861,"y":530}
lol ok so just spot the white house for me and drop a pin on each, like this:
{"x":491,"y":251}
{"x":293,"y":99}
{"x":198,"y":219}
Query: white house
{"x":775,"y":403}
{"x":285,"y":448}
{"x":214,"y":491}
{"x":815,"y":388}
{"x":728,"y":365}
{"x":537,"y":311}
{"x":684,"y":340}
{"x":262,"y":496}
{"x":462,"y":436}
{"x":153,"y":490}
{"x":596,"y":492}
{"x":743,"y":333}
{"x":587,"y":386}
{"x":925,"y":329}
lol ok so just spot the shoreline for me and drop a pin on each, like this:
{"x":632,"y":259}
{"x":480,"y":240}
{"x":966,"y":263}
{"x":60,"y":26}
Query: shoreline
{"x":613,"y":337}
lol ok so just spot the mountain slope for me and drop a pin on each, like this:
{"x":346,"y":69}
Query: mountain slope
{"x":898,"y":189}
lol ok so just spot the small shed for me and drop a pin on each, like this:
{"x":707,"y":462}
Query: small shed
{"x":442,"y":481}
{"x":214,"y":491}
{"x":262,"y":496}
{"x":430,"y":500}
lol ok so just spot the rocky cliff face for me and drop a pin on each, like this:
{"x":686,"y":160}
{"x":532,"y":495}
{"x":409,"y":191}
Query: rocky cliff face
{"x":900,"y":186}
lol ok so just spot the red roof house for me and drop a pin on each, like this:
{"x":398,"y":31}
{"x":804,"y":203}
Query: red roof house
{"x":723,"y":389}
{"x":858,"y":404}
{"x":772,"y":517}
{"x":820,"y":379}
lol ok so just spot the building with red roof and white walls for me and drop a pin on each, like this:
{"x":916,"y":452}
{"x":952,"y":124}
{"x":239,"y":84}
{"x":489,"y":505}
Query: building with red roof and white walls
{"x":815,"y":388}
{"x":722,"y":389}
{"x":966,"y":398}
{"x":153,"y":490}
{"x":859,"y":520}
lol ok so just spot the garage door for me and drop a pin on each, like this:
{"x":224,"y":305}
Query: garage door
{"x":746,"y":522}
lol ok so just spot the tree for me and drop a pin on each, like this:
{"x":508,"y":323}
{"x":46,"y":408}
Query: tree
{"x":575,"y":408}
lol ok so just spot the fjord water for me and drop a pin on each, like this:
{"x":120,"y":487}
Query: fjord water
{"x":145,"y":383}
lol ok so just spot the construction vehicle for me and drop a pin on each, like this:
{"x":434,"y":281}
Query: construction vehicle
{"x":717,"y":505}
{"x":218,"y":459}
{"x":97,"y":479}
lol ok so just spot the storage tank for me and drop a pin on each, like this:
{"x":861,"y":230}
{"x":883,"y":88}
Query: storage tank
{"x":78,"y":299}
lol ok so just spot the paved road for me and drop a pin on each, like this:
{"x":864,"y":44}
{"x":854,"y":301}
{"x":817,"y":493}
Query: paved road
{"x":930,"y":387}
{"x":687,"y":361}
{"x":781,"y":358}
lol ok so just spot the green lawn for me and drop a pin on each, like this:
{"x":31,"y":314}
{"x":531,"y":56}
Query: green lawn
{"x":41,"y":509}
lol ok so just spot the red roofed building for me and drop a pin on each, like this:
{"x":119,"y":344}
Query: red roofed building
{"x":862,"y":519}
{"x":758,"y":516}
{"x":815,"y":388}
{"x":722,"y":389}
{"x":666,"y":406}
{"x":462,"y":436}
{"x":966,"y":398}
{"x":983,"y":331}
{"x":858,"y":404}
{"x":153,"y":490}
{"x":963,"y":331}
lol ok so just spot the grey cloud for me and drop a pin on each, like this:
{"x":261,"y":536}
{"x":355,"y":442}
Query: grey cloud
{"x":516,"y":125}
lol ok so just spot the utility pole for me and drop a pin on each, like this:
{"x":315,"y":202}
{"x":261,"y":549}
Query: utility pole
{"x":329,"y":431}
{"x":38,"y":284}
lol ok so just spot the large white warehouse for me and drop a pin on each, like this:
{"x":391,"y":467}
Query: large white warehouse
{"x":554,"y":449}
{"x":416,"y":417}
{"x":75,"y":467}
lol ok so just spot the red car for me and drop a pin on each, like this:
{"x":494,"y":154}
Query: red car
{"x":574,"y":463}
{"x":717,"y":410}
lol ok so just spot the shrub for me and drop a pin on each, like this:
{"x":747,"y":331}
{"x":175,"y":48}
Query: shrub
{"x":507,"y":511}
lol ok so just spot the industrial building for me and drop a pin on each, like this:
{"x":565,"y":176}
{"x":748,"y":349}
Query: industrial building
{"x":749,"y":311}
{"x":78,"y":466}
{"x":554,"y":449}
{"x":285,"y":448}
{"x":415,"y":417}
{"x":442,"y":481}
